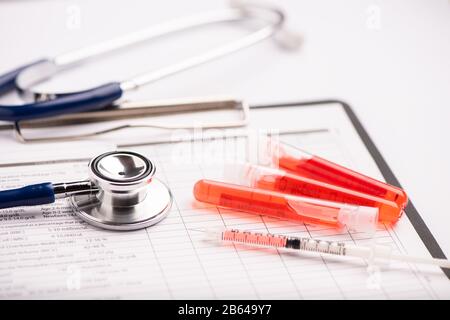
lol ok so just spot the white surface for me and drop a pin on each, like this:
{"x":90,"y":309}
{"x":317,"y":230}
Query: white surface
{"x":396,"y":77}
{"x":47,"y":252}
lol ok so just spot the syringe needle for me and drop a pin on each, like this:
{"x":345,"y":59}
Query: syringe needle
{"x":443,"y":263}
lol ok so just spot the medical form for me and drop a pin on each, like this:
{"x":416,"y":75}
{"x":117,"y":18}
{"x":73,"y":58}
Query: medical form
{"x":47,"y":252}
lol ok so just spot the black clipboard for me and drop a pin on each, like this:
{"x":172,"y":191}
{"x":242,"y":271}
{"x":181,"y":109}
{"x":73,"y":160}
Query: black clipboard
{"x":411,"y":212}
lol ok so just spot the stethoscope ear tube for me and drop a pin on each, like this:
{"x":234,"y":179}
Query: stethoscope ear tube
{"x":31,"y":195}
{"x":92,"y":99}
{"x":8,"y":80}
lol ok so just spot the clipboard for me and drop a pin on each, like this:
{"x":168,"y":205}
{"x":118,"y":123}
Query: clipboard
{"x":411,"y":212}
{"x":323,"y":129}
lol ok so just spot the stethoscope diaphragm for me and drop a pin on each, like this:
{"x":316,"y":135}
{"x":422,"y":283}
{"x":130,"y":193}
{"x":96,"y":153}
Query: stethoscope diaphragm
{"x":129,"y":196}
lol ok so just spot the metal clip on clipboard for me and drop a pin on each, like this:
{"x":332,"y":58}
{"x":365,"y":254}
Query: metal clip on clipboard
{"x":134,"y":110}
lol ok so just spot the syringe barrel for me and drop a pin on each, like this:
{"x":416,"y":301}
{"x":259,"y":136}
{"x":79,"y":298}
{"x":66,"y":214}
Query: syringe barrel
{"x":279,"y":205}
{"x":310,"y":166}
{"x":282,"y":181}
{"x":281,"y":241}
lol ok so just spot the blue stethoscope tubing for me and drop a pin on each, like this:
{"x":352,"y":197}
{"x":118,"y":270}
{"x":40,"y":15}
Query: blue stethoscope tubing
{"x":105,"y":95}
{"x":32,"y":195}
{"x":92,"y":99}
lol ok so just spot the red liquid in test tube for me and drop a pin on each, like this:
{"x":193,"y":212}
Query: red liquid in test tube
{"x":310,"y":166}
{"x":284,"y":206}
{"x":282,"y":181}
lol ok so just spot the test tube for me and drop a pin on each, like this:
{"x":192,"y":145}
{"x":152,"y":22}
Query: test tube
{"x":285,"y":206}
{"x":279,"y":180}
{"x":310,"y":166}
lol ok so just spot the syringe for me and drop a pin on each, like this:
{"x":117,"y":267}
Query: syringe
{"x":372,"y":252}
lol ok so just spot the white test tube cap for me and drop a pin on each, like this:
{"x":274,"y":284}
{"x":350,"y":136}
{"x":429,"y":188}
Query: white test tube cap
{"x":359,"y":218}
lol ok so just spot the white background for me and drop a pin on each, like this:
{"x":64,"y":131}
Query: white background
{"x":388,"y":59}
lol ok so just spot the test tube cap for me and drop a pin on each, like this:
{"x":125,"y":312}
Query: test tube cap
{"x":359,"y":218}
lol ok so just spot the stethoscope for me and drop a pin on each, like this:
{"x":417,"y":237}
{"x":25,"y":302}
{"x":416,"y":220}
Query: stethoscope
{"x":120,"y":194}
{"x":49,"y":104}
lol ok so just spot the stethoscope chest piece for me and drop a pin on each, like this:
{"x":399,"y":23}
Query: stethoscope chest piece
{"x":128,"y":196}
